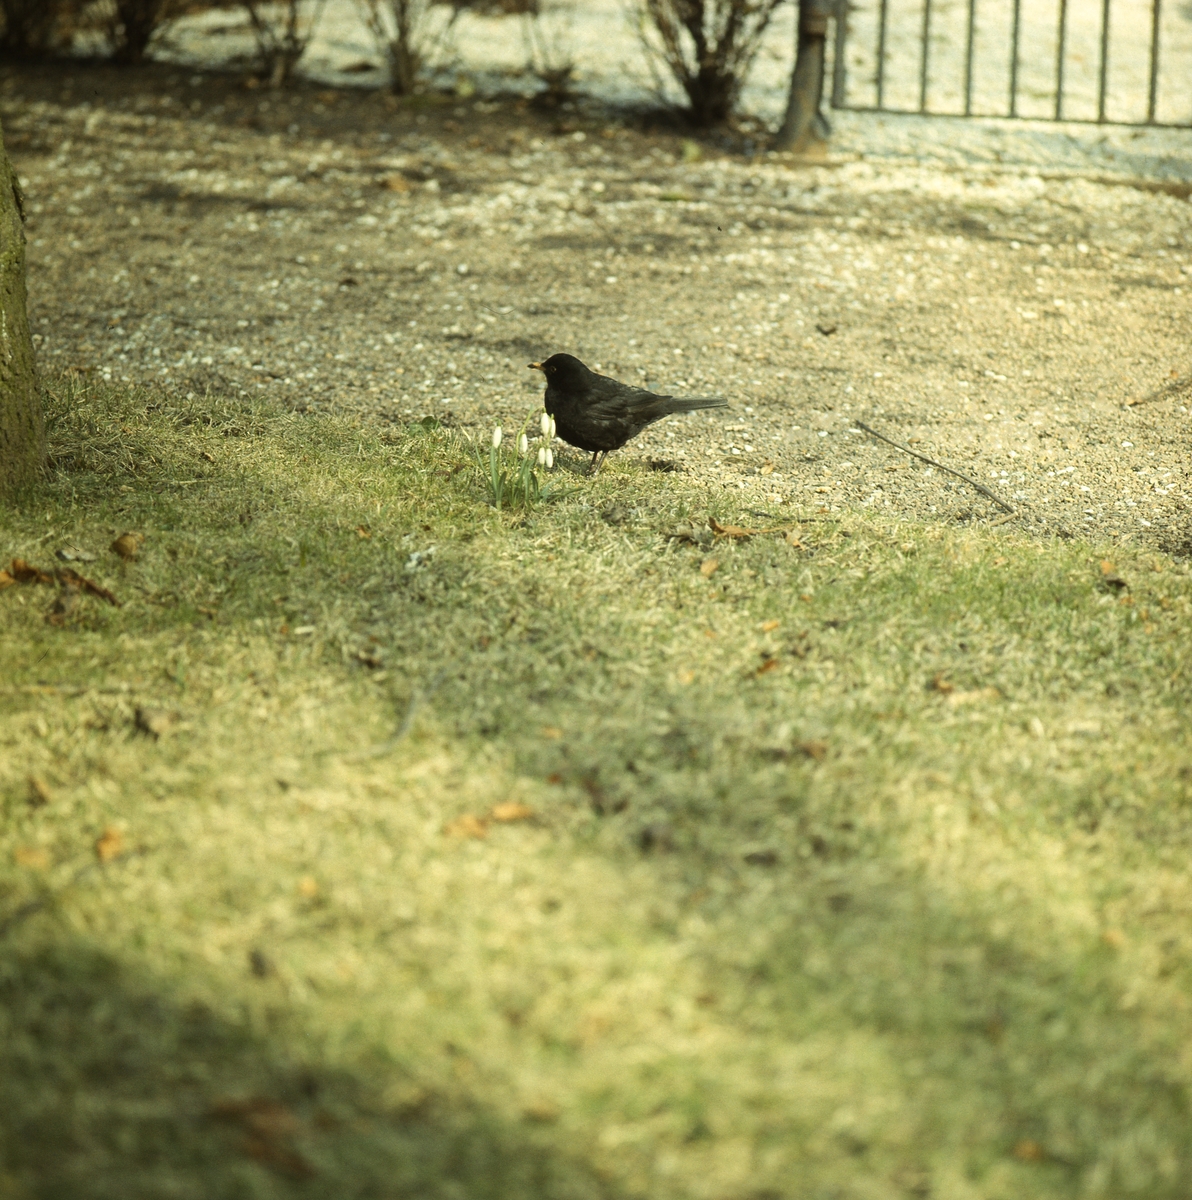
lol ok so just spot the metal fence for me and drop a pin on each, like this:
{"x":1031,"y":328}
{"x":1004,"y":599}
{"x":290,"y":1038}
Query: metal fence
{"x":1121,"y":61}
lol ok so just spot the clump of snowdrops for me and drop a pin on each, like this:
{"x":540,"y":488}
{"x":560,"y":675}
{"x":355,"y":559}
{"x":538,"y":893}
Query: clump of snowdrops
{"x":516,"y":483}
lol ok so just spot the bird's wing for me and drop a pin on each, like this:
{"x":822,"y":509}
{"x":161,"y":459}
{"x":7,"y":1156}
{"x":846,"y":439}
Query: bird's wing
{"x":623,"y":402}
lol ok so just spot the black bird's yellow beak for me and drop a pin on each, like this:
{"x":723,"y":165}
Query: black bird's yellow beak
{"x":535,"y":367}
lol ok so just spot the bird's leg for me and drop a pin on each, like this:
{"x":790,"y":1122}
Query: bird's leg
{"x":594,"y":466}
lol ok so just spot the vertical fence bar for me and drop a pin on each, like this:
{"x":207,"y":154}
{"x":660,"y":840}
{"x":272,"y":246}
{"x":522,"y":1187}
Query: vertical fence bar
{"x":839,"y":64}
{"x":1061,"y":46}
{"x":968,"y":58}
{"x":1103,"y":66}
{"x":1016,"y":30}
{"x":924,"y":57}
{"x":881,"y":51}
{"x":1153,"y":83}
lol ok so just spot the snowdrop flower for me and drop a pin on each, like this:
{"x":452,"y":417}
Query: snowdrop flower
{"x":497,"y":438}
{"x":545,"y":425}
{"x":550,"y":458}
{"x":551,"y":435}
{"x":523,"y":444}
{"x":542,"y":453}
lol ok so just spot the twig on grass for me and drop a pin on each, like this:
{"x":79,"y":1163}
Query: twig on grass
{"x":881,"y":437}
{"x":417,"y":698}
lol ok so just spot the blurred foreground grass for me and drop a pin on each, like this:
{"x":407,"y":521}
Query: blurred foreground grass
{"x":855,"y":866}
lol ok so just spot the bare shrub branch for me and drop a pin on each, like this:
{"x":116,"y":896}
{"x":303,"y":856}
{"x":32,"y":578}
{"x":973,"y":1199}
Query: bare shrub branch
{"x":708,"y":46}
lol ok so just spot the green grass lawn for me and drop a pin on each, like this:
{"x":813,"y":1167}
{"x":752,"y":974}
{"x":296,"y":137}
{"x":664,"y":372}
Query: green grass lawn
{"x":855,"y":867}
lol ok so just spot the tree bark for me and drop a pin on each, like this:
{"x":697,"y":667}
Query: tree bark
{"x":804,"y":128}
{"x":22,"y":429}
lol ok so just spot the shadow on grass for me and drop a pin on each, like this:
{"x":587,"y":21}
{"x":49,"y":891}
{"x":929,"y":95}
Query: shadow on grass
{"x":109,"y":1087}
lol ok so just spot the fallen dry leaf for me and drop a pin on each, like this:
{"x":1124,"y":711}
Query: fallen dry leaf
{"x":731,"y":531}
{"x":1000,"y":561}
{"x":941,"y":685}
{"x":6,"y":580}
{"x":466,"y":826}
{"x":768,"y":664}
{"x":510,"y":811}
{"x":1110,"y":578}
{"x":1029,"y":1151}
{"x":770,"y":626}
{"x":127,"y":546}
{"x":23,"y":572}
{"x":110,"y":844}
{"x":794,"y":539}
{"x":816,"y":749}
{"x":33,"y":857}
{"x":767,"y":468}
{"x":363,"y":531}
{"x":39,"y":793}
{"x":71,"y":578}
{"x":708,"y":567}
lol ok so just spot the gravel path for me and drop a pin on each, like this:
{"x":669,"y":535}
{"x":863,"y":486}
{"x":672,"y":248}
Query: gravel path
{"x":340,"y":254}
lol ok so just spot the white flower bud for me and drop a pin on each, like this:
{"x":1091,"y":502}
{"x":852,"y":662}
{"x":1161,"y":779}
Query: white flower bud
{"x":550,"y":458}
{"x":542,"y":453}
{"x":523,"y":444}
{"x":497,"y":438}
{"x":545,"y":425}
{"x":552,"y":429}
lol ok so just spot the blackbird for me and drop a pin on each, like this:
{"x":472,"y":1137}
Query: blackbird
{"x":599,"y":414}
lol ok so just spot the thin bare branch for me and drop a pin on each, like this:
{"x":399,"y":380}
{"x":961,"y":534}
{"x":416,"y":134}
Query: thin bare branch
{"x":989,"y":494}
{"x":418,"y":697}
{"x":1168,"y":391}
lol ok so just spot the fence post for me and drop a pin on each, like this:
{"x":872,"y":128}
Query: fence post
{"x":804,"y":128}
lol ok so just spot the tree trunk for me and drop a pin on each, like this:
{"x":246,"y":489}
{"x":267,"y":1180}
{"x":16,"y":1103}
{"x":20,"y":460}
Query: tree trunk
{"x":804,"y":127}
{"x":22,"y":431}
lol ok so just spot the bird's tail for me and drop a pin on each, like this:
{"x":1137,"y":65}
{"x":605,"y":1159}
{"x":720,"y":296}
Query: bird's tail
{"x":695,"y":403}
